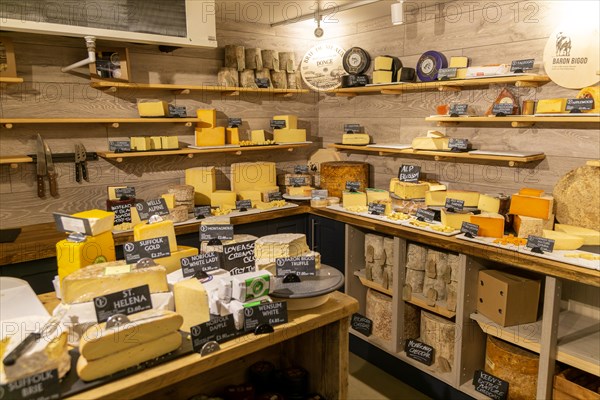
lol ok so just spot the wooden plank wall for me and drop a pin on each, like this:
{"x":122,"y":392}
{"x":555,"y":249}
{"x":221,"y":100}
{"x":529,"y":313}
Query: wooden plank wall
{"x":486,"y":32}
{"x":47,"y":92}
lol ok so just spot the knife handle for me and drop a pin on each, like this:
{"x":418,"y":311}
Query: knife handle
{"x":77,"y":173}
{"x":40,"y":186}
{"x":84,"y":171}
{"x":53,"y":187}
{"x":21,"y":348}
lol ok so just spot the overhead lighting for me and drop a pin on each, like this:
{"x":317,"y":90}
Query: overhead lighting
{"x":398,"y":13}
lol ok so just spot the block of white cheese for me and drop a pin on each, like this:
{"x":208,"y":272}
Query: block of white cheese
{"x":383,"y":77}
{"x":100,"y":221}
{"x":435,"y":198}
{"x":590,"y":237}
{"x":409,"y":190}
{"x":191,"y":302}
{"x":249,"y":176}
{"x":353,"y":199}
{"x":254,"y":196}
{"x":289,"y":135}
{"x":455,"y":219}
{"x":431,"y":143}
{"x":281,"y":245}
{"x":356,"y":138}
{"x":563,"y":241}
{"x":101,"y":279}
{"x":383,"y":63}
{"x":488,"y":203}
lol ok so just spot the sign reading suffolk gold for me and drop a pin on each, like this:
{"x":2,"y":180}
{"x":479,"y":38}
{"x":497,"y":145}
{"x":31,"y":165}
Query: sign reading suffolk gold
{"x":322,"y":67}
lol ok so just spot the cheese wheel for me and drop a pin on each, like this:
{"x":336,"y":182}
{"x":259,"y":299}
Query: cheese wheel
{"x":334,"y":176}
{"x":440,"y":334}
{"x":592,"y":92}
{"x":379,"y":310}
{"x":576,"y":196}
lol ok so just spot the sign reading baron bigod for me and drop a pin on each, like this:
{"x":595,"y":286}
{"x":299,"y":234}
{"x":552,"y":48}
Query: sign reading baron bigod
{"x":129,"y":301}
{"x":221,"y":232}
{"x":150,"y":248}
{"x":238,"y":258}
{"x":41,"y":386}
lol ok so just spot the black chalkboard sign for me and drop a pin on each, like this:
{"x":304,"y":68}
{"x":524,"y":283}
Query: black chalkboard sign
{"x":40,"y":386}
{"x":472,"y":229}
{"x":278,"y":123}
{"x":352,"y":128}
{"x":455,"y":204}
{"x":458,"y":109}
{"x":489,"y":385}
{"x":536,"y":242}
{"x":270,"y":313}
{"x":238,"y":258}
{"x":221,"y":232}
{"x":447,"y":73}
{"x":459,"y":144}
{"x":243,"y":204}
{"x":146,"y":209}
{"x":263,"y":83}
{"x":503,"y":108}
{"x":218,"y":329}
{"x":204,"y":262}
{"x":119,"y":146}
{"x":301,"y":169}
{"x":301,"y":266}
{"x":579,"y":104}
{"x":204,"y":211}
{"x":376,"y":208}
{"x":128,"y":192}
{"x":234,"y":122}
{"x":352,"y":186}
{"x":274,"y":196}
{"x":122,"y":213}
{"x":149,"y":248}
{"x":361,"y":324}
{"x":419,"y":351}
{"x":522,"y":65}
{"x":425,"y":214}
{"x":298,"y":181}
{"x":409,"y":173}
{"x":129,"y":301}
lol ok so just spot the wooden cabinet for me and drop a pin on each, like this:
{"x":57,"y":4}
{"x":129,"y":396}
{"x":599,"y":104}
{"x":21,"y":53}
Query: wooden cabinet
{"x":326,"y":236}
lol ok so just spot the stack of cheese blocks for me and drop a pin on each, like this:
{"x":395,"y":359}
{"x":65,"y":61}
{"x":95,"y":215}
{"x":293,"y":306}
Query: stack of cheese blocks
{"x":147,"y":143}
{"x":268,"y":248}
{"x":209,"y":134}
{"x":180,"y":201}
{"x":298,"y":184}
{"x":383,"y":70}
{"x":253,"y":181}
{"x":379,"y":259}
{"x":461,"y":64}
{"x":558,"y":105}
{"x":410,"y":196}
{"x":291,"y":133}
{"x":434,"y":140}
{"x":379,"y":196}
{"x":533,"y":212}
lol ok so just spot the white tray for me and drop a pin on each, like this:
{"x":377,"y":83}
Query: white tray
{"x":17,"y":299}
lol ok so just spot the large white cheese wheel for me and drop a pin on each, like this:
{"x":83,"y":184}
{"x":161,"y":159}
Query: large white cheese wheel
{"x":282,"y":245}
{"x":577,"y":195}
{"x":379,"y":310}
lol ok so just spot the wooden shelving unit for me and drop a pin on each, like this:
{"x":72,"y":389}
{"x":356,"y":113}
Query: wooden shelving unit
{"x":8,"y":123}
{"x":13,"y":161}
{"x":444,"y":86}
{"x":420,"y":301}
{"x":8,"y":80}
{"x":370,"y":284}
{"x":439,"y":155}
{"x":187,"y":89}
{"x":191,"y":152}
{"x":516,"y":121}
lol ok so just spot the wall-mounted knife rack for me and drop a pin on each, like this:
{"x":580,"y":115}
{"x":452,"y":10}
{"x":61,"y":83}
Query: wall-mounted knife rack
{"x":67,"y":157}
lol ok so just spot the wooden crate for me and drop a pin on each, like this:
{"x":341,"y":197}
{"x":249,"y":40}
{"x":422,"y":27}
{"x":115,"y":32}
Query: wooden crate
{"x":567,"y":385}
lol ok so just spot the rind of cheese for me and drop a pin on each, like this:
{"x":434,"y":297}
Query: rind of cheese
{"x":191,"y":302}
{"x":238,"y":238}
{"x":377,"y":195}
{"x":356,"y":138}
{"x":99,"y":341}
{"x":93,"y":281}
{"x":210,"y":136}
{"x":590,"y":237}
{"x":100,"y":221}
{"x":531,"y":206}
{"x":289,"y":135}
{"x":223,"y":199}
{"x":282,"y":245}
{"x":490,"y":224}
{"x":250,"y":176}
{"x":147,"y":231}
{"x":410,"y":190}
{"x":563,"y":241}
{"x":526,"y":226}
{"x":353,"y":199}
{"x":488,"y":203}
{"x":91,"y":370}
{"x":427,"y":143}
{"x":455,"y":219}
{"x":471,"y":199}
{"x":204,"y":182}
{"x":291,"y":121}
{"x":208,"y":118}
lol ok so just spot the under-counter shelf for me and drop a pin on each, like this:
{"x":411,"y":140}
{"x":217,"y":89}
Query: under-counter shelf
{"x":370,"y":284}
{"x":419,"y":300}
{"x":14,"y":160}
{"x":8,"y":123}
{"x":516,"y":121}
{"x":191,"y":152}
{"x":186,"y":89}
{"x":444,"y":86}
{"x":439,"y":155}
{"x":9,"y":80}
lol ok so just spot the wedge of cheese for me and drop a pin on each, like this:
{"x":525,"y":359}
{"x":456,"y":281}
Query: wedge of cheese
{"x":281,"y":245}
{"x":157,"y":108}
{"x":253,"y":195}
{"x":72,"y":256}
{"x":204,"y":182}
{"x":490,"y":224}
{"x":531,"y":192}
{"x":435,"y":198}
{"x":232,"y":135}
{"x":429,"y":143}
{"x":526,"y":226}
{"x":208,"y":118}
{"x":291,"y":121}
{"x":374,"y":195}
{"x":139,"y":143}
{"x":112,"y":192}
{"x":258,"y":136}
{"x":155,"y":143}
{"x":383,"y":76}
{"x":210,"y":136}
{"x":155,"y":230}
{"x":169,"y":142}
{"x":455,"y":219}
{"x":532,"y":206}
{"x":191,"y":302}
{"x":289,"y":135}
{"x":471,"y":199}
{"x":169,"y":199}
{"x":352,"y":199}
{"x":409,"y":190}
{"x":488,"y":203}
{"x":590,"y":237}
{"x":100,"y":221}
{"x":551,"y":106}
{"x":303,"y":191}
{"x":563,"y":241}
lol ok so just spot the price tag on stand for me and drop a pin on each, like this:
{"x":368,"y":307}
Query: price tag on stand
{"x":234,"y":122}
{"x":119,"y":146}
{"x":579,"y":105}
{"x":491,"y":386}
{"x":128,"y":192}
{"x":275,"y":196}
{"x":301,"y":169}
{"x":352,"y":128}
{"x":376,"y":209}
{"x":458,"y":144}
{"x":425,"y":214}
{"x":352,"y":186}
{"x":204,"y":262}
{"x":278,"y":124}
{"x":127,"y":302}
{"x":471,"y":229}
{"x":447,"y":73}
{"x":503,"y":109}
{"x":150,"y":248}
{"x":221,"y":232}
{"x":243,"y":204}
{"x":455,"y":204}
{"x":218,"y":329}
{"x":41,"y":386}
{"x":204,"y":211}
{"x":419,"y":351}
{"x":301,"y":266}
{"x":238,"y":258}
{"x":522,"y":65}
{"x":270,"y":313}
{"x":458,"y":109}
{"x":146,"y":209}
{"x":122,"y":213}
{"x":361,"y":324}
{"x":536,"y":244}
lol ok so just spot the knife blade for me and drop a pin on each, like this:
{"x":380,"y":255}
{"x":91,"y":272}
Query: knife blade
{"x":51,"y":171}
{"x":82,"y":160}
{"x":41,"y":167}
{"x":77,"y":163}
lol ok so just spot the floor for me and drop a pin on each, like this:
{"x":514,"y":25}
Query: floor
{"x":367,"y":382}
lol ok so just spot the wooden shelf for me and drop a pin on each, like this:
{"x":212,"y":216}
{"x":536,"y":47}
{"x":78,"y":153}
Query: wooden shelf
{"x":370,"y":284}
{"x":444,"y":86}
{"x":8,"y":80}
{"x":8,"y":123}
{"x":191,"y":152}
{"x":516,"y":121}
{"x":439,"y":155}
{"x":186,"y":89}
{"x":421,"y":301}
{"x":14,"y":160}
{"x":578,"y":338}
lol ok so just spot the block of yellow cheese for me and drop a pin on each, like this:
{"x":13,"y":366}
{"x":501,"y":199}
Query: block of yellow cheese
{"x":591,"y":92}
{"x":353,"y":199}
{"x":531,"y":192}
{"x":383,"y":63}
{"x":173,"y":262}
{"x":374,"y":195}
{"x":563,"y":241}
{"x":488,"y":203}
{"x":531,"y":206}
{"x":289,"y":135}
{"x":210,"y":136}
{"x":139,"y":143}
{"x":590,"y":237}
{"x":112,"y":192}
{"x":232,"y":135}
{"x":100,"y":221}
{"x":158,"y":108}
{"x":146,"y":230}
{"x":527,"y":226}
{"x":257,"y":136}
{"x":101,"y":279}
{"x":383,"y":77}
{"x":455,"y":219}
{"x":191,"y":302}
{"x":458,"y":62}
{"x":169,"y":142}
{"x":204,"y":182}
{"x":471,"y":199}
{"x":410,"y":190}
{"x":551,"y":106}
{"x":490,"y":224}
{"x":431,"y":143}
{"x":291,"y":121}
{"x":435,"y":198}
{"x":208,"y":118}
{"x":223,"y":199}
{"x":155,"y":143}
{"x":300,"y":191}
{"x":356,"y":138}
{"x":169,"y":199}
{"x":254,"y":195}
{"x":250,"y":176}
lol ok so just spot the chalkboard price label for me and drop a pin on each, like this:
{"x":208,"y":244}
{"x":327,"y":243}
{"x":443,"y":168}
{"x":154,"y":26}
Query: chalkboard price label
{"x":472,"y":229}
{"x":238,"y":258}
{"x":219,"y":329}
{"x":270,"y":313}
{"x":540,"y":243}
{"x":489,"y":385}
{"x":275,"y":196}
{"x":129,"y":301}
{"x":579,"y":104}
{"x":146,"y":209}
{"x":245,"y":204}
{"x":458,"y":109}
{"x":503,"y":109}
{"x":204,"y":211}
{"x":352,"y":128}
{"x":119,"y":146}
{"x":42,"y":386}
{"x":221,"y":232}
{"x":376,"y":208}
{"x":409,"y":173}
{"x":205,"y":262}
{"x":263,"y":83}
{"x":425,"y":214}
{"x":234,"y":122}
{"x":319,"y":194}
{"x":455,"y":204}
{"x":297,"y":180}
{"x":352,"y":186}
{"x":278,"y":123}
{"x":149,"y":248}
{"x":447,"y":73}
{"x":522,"y":65}
{"x":128,"y":192}
{"x":459,"y":144}
{"x":419,"y":351}
{"x":361,"y":324}
{"x":301,"y":266}
{"x":301,"y":169}
{"x":122,"y":213}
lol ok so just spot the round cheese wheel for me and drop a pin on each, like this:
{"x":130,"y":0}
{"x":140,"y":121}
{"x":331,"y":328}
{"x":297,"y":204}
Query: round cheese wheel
{"x":429,"y":64}
{"x":592,"y":92}
{"x":334,"y":176}
{"x":577,"y":195}
{"x":356,"y":61}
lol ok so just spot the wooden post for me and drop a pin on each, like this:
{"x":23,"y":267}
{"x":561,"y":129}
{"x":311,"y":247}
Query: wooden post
{"x":549,"y":334}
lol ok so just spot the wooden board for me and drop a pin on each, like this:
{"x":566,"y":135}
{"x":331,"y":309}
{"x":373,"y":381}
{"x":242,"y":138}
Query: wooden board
{"x":370,"y":284}
{"x":519,"y":121}
{"x":207,"y":88}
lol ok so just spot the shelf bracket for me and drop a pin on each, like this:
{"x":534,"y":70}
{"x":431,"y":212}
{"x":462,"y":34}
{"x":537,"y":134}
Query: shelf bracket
{"x":8,"y":126}
{"x":188,"y":124}
{"x":238,"y":153}
{"x":110,"y":89}
{"x":449,"y":89}
{"x":392,"y":91}
{"x":115,"y":125}
{"x":181,"y":91}
{"x":14,"y":165}
{"x":119,"y":159}
{"x":290,"y":149}
{"x":190,"y":155}
{"x":231,"y":93}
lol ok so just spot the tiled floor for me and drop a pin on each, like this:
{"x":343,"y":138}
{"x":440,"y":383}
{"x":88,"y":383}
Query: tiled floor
{"x":367,"y":382}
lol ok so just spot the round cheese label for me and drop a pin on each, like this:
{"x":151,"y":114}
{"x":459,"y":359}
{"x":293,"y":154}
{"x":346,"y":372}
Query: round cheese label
{"x":322,"y":67}
{"x":356,"y":61}
{"x":572,"y":56}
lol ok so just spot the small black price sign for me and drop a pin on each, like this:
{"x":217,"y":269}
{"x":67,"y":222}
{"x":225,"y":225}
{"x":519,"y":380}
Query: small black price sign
{"x":459,"y":144}
{"x":245,"y":204}
{"x":42,"y":386}
{"x":221,"y":232}
{"x":425,"y":214}
{"x":146,"y":209}
{"x":319,"y":194}
{"x":128,"y":192}
{"x":503,"y":108}
{"x":376,"y":208}
{"x":119,"y":146}
{"x":219,"y":329}
{"x":297,"y":180}
{"x":278,"y":123}
{"x":352,"y":128}
{"x":234,"y":122}
{"x":205,"y":262}
{"x":301,"y":266}
{"x":455,"y":204}
{"x":361,"y":324}
{"x":129,"y":301}
{"x":204,"y":211}
{"x":352,"y":186}
{"x":263,"y":83}
{"x":177,"y":111}
{"x":458,"y":109}
{"x":275,"y":196}
{"x":522,"y":65}
{"x":270,"y":313}
{"x":489,"y":385}
{"x":540,"y":243}
{"x":447,"y":73}
{"x":149,"y":248}
{"x":419,"y":351}
{"x":467,"y":227}
{"x":238,"y":258}
{"x":301,"y":169}
{"x":122,"y":213}
{"x":409,"y":173}
{"x":579,"y":104}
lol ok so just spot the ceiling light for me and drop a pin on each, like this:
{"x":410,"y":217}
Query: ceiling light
{"x":398,"y":13}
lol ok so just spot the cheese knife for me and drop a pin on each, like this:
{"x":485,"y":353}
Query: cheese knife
{"x":51,"y":171}
{"x":41,"y":167}
{"x":83,"y":162}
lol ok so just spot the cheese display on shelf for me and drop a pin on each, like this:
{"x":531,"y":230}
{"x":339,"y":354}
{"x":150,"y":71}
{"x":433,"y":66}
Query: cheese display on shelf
{"x":356,"y":138}
{"x":488,"y":203}
{"x":471,"y":199}
{"x":383,"y":63}
{"x":563,"y":241}
{"x":139,"y":143}
{"x":551,"y":106}
{"x":526,"y":226}
{"x":455,"y":219}
{"x":204,"y":182}
{"x":157,"y":108}
{"x":505,"y":97}
{"x":408,"y":190}
{"x":49,"y":352}
{"x":490,"y":224}
{"x":383,"y":76}
{"x":531,"y":206}
{"x":291,"y":121}
{"x":377,"y":195}
{"x":302,"y":191}
{"x":289,"y":135}
{"x":282,"y":245}
{"x":100,"y":221}
{"x":73,"y":254}
{"x":100,"y":279}
{"x":158,"y":229}
{"x":173,"y":262}
{"x":458,"y":62}
{"x":352,"y":199}
{"x":223,"y":199}
{"x":590,"y":237}
{"x":232,"y":135}
{"x":208,"y":118}
{"x":431,"y":143}
{"x":155,"y":143}
{"x":591,"y":92}
{"x":436,"y":199}
{"x":210,"y":136}
{"x":191,"y":302}
{"x":252,"y":176}
{"x":169,"y":142}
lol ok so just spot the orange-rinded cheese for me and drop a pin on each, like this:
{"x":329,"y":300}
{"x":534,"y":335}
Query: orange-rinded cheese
{"x":530,"y":206}
{"x":531,"y":192}
{"x":490,"y":224}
